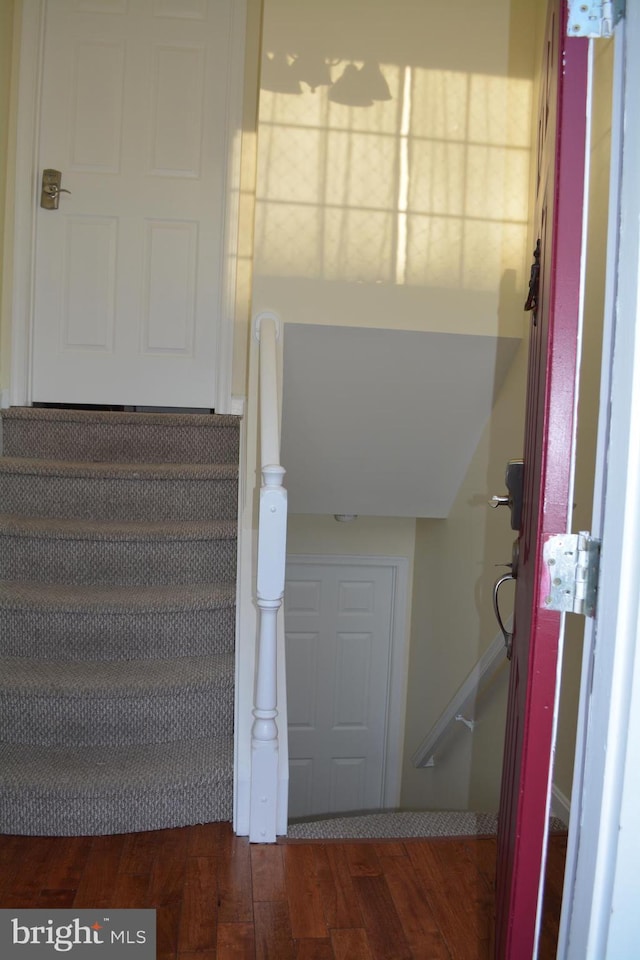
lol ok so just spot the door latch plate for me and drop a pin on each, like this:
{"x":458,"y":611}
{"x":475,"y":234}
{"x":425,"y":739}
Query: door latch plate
{"x":573,"y":562}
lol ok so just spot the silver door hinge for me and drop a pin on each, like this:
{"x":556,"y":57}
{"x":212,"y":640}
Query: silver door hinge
{"x":590,"y":18}
{"x":573,"y":560}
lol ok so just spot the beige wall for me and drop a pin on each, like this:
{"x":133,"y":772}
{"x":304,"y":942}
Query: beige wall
{"x":455,"y":563}
{"x":247,"y":198}
{"x":6,"y":40}
{"x":453,"y":622}
{"x":6,"y":43}
{"x":375,"y":536}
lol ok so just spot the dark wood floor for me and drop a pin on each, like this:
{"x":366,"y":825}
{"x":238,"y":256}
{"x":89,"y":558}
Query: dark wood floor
{"x":218,"y":897}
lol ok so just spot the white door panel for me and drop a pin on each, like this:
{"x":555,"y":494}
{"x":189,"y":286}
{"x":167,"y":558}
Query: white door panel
{"x":338,"y":625}
{"x":127,"y":300}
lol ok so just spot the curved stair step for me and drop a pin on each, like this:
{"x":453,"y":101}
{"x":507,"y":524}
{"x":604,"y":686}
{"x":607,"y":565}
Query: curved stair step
{"x":76,"y":791}
{"x":83,"y":703}
{"x":128,"y":553}
{"x":54,"y":434}
{"x":118,"y":491}
{"x":94,"y":622}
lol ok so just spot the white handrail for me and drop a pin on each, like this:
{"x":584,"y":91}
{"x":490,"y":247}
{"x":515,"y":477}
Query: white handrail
{"x":272,"y":535}
{"x":486,"y":667}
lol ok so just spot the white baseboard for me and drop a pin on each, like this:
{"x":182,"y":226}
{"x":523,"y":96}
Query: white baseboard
{"x":282,"y":810}
{"x":5,"y":399}
{"x":241,"y":819}
{"x":237,"y":406}
{"x":560,"y":805}
{"x":241,"y":825}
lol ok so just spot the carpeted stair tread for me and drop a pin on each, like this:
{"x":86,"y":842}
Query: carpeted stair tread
{"x":91,"y":622}
{"x":53,"y":528}
{"x":74,"y":770}
{"x":52,"y":415}
{"x":112,"y":679}
{"x":119,"y":436}
{"x":80,"y":703}
{"x":75,"y":791}
{"x":34,"y":466}
{"x":128,"y":553}
{"x":105,"y":598}
{"x":112,"y":491}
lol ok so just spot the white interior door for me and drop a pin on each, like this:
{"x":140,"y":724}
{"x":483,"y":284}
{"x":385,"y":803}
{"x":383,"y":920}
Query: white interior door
{"x":338,"y":628}
{"x":129,"y":270}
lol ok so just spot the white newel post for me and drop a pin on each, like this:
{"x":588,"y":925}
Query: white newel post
{"x":272,"y":535}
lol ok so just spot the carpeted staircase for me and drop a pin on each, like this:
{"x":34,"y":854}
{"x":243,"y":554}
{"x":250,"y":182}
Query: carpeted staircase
{"x":117,"y":620}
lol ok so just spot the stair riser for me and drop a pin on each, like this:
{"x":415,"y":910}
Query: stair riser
{"x":51,"y":721}
{"x":87,"y":636}
{"x":110,"y":499}
{"x":119,"y":442}
{"x":108,"y":562}
{"x":64,"y":792}
{"x":125,"y":810}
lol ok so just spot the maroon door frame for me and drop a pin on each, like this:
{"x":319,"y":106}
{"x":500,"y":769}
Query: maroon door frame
{"x":549,"y":439}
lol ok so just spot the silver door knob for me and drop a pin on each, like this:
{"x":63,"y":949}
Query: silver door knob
{"x":514,"y":482}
